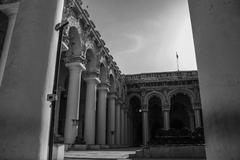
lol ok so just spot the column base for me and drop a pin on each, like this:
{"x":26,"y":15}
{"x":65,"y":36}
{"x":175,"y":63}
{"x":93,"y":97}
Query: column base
{"x":80,"y":140}
{"x":58,"y":152}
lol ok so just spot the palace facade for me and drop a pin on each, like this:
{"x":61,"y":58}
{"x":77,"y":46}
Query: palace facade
{"x":97,"y":104}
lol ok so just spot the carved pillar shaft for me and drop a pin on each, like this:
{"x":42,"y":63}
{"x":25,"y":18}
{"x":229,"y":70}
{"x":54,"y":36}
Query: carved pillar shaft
{"x":75,"y":70}
{"x":197,"y":114}
{"x":122,"y":125}
{"x":145,"y":125}
{"x":118,"y":122}
{"x":101,"y":122}
{"x":166,"y":119}
{"x":11,"y":12}
{"x":111,"y":118}
{"x":90,"y":110}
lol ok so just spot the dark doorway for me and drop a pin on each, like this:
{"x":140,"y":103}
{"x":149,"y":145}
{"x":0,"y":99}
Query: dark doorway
{"x":181,"y":111}
{"x":135,"y":106}
{"x":155,"y":119}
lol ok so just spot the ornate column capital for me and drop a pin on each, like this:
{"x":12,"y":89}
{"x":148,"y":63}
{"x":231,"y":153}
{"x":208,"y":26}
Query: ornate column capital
{"x":119,"y":101}
{"x":10,"y":9}
{"x":197,"y":106}
{"x":112,"y":95}
{"x":166,"y":109}
{"x":74,"y":58}
{"x":75,"y":66}
{"x":103,"y":86}
{"x":92,"y":77}
{"x":144,"y":108}
{"x":123,"y":106}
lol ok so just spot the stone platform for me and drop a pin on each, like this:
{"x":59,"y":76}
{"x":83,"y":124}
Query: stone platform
{"x":107,"y":154}
{"x":163,"y":152}
{"x":172,"y":152}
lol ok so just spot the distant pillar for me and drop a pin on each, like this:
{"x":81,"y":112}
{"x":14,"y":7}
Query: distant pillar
{"x":75,"y":71}
{"x":11,"y":10}
{"x":145,"y":124}
{"x":122,"y":124}
{"x":197,"y":114}
{"x":57,"y":110}
{"x":90,"y":110}
{"x":166,"y":119}
{"x":111,"y":118}
{"x":126,"y":124}
{"x":192,"y":125}
{"x":118,"y":122}
{"x":102,"y":105}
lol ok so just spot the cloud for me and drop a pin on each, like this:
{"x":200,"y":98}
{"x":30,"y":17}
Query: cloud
{"x":136,"y":43}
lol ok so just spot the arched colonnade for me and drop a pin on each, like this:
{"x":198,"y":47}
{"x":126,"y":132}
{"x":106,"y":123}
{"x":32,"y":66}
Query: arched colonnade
{"x":90,"y":109}
{"x":178,"y":108}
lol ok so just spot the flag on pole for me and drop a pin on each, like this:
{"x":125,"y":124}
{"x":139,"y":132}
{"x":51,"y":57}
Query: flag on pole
{"x":177,"y":61}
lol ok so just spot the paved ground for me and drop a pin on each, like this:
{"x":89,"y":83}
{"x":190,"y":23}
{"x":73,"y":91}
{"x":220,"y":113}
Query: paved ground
{"x":110,"y":154}
{"x":98,"y":154}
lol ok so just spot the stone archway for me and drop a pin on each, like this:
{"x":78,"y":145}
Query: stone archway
{"x":135,"y":109}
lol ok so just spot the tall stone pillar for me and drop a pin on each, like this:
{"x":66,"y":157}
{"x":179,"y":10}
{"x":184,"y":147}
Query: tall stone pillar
{"x":57,"y":110}
{"x":28,"y":78}
{"x":90,"y":110}
{"x":192,"y":125}
{"x":75,"y":71}
{"x":126,"y":124}
{"x":166,"y":119}
{"x":102,"y":106}
{"x":216,"y":33}
{"x":145,"y":124}
{"x":130,"y":131}
{"x":122,"y":124}
{"x":118,"y":121}
{"x":111,"y":118}
{"x":11,"y":11}
{"x":197,"y":115}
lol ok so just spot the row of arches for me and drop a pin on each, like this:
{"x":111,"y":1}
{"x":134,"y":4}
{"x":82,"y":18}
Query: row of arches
{"x":179,"y":110}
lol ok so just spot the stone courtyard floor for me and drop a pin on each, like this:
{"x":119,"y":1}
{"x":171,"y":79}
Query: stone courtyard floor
{"x":106,"y":154}
{"x":109,"y":155}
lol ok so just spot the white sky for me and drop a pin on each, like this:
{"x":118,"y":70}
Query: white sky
{"x":144,"y":35}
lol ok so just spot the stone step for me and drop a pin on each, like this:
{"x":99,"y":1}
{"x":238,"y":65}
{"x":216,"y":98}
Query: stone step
{"x":135,"y":159}
{"x":82,"y":147}
{"x":168,"y":152}
{"x":107,"y":154}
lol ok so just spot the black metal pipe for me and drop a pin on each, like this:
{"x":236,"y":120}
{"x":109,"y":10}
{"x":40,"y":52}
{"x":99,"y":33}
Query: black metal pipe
{"x":59,"y":27}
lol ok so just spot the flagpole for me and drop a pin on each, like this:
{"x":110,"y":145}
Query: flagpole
{"x":177,"y":62}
